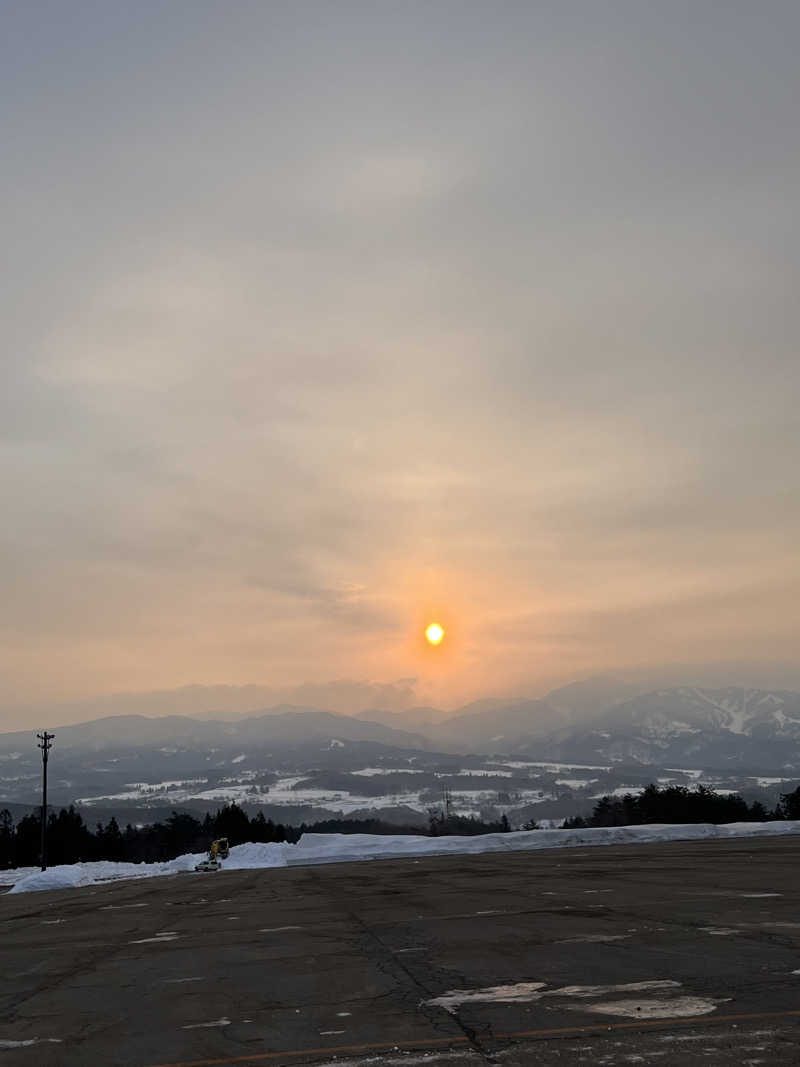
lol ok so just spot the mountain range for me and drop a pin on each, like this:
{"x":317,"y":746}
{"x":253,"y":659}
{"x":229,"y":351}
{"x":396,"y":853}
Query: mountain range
{"x":496,"y":725}
{"x":274,"y":726}
{"x":605,"y":727}
{"x":598,"y":719}
{"x":702,"y":727}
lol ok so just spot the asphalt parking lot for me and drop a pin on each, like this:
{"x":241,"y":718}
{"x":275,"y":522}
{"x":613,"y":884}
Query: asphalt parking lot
{"x":676,"y":953}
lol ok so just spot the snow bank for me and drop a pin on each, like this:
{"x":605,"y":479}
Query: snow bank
{"x":253,"y":856}
{"x":335,"y":848}
{"x":242,"y":857}
{"x":345,"y":848}
{"x":342,"y":848}
{"x":67,"y":876}
{"x":78,"y":874}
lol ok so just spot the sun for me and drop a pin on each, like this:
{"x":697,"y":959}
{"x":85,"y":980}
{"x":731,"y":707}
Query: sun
{"x":434,"y":633}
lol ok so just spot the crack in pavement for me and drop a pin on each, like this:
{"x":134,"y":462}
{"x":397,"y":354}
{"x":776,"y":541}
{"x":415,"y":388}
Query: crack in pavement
{"x":390,"y":962}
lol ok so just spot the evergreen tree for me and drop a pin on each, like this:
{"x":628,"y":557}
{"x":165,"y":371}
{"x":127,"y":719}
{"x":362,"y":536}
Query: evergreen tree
{"x":6,"y":839}
{"x":789,"y":806}
{"x":27,"y":840}
{"x":69,"y":840}
{"x":676,"y":804}
{"x":233,"y":823}
{"x":183,"y":833}
{"x":758,"y":813}
{"x":110,"y":844}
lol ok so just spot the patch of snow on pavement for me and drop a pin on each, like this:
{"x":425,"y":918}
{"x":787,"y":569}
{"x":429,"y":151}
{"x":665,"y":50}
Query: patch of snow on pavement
{"x":168,"y":935}
{"x":672,"y":1008}
{"x":30,"y":1041}
{"x":592,"y":939}
{"x":502,"y":994}
{"x":669,"y":1005}
{"x":530,"y":991}
{"x":656,"y":985}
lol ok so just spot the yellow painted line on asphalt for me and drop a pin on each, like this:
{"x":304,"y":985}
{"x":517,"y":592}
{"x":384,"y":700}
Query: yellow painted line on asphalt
{"x":562,"y":1031}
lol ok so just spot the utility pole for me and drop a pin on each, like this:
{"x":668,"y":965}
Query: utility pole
{"x":447,"y":803}
{"x":45,"y":740}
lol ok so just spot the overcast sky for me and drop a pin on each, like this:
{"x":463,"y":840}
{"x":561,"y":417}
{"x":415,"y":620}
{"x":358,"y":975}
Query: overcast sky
{"x":323,"y":320}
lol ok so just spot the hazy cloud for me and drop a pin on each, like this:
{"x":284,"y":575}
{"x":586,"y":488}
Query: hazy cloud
{"x":320,"y":320}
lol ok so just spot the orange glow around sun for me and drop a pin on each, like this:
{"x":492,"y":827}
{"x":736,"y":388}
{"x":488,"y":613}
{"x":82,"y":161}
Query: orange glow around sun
{"x":434,"y":633}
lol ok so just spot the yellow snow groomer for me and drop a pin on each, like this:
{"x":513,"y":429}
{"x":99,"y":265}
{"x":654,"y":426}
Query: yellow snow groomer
{"x":220,"y":850}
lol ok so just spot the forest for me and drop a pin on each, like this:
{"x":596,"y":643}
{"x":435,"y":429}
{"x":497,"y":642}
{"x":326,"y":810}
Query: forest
{"x":70,"y":840}
{"x":677,"y":804}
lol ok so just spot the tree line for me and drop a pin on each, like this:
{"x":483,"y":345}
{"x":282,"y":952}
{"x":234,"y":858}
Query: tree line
{"x":677,"y":804}
{"x":70,"y":840}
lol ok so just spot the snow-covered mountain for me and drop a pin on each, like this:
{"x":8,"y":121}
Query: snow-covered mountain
{"x":694,"y":726}
{"x":526,"y":758}
{"x":501,"y":730}
{"x":502,"y":726}
{"x":585,"y":700}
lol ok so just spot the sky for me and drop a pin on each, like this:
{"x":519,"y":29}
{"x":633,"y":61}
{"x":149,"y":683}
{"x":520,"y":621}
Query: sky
{"x":322,"y":321}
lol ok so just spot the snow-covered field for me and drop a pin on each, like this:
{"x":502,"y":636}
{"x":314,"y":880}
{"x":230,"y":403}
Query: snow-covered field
{"x":487,"y":789}
{"x":559,"y":768}
{"x":370,"y":772}
{"x":342,"y":848}
{"x":290,"y":792}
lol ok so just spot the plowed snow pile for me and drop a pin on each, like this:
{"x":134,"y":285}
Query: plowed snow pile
{"x":68,"y":876}
{"x":343,"y":848}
